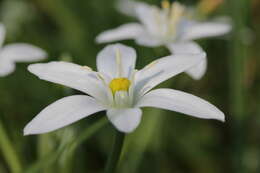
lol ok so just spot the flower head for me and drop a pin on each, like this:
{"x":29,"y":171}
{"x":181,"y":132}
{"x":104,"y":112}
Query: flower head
{"x":118,"y":88}
{"x":171,"y":26}
{"x":18,"y":52}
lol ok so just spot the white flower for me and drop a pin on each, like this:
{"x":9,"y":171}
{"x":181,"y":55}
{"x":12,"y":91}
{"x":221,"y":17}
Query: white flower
{"x":118,"y":88}
{"x":170,"y":26}
{"x":17,"y":52}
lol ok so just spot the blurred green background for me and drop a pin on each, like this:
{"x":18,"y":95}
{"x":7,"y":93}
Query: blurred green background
{"x":165,"y":142}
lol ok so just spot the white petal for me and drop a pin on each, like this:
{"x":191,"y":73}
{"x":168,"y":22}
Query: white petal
{"x":22,"y":52}
{"x":163,"y":69}
{"x":181,"y":102}
{"x":147,"y":15}
{"x":207,"y":29}
{"x":2,"y":34}
{"x":116,"y":60}
{"x":6,"y":67}
{"x":71,"y":75}
{"x":184,"y":47}
{"x":197,"y":71}
{"x":124,"y":32}
{"x":146,"y":39}
{"x":128,"y":7}
{"x":62,"y":113}
{"x":125,"y":120}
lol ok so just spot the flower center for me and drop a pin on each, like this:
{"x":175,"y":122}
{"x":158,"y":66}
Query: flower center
{"x":119,"y":84}
{"x":165,"y":4}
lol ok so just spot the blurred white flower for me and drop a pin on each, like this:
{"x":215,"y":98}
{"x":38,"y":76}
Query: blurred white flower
{"x":171,"y":26}
{"x":16,"y":52}
{"x":118,"y":88}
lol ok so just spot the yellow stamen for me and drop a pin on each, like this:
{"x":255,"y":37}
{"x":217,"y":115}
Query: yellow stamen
{"x":119,"y":84}
{"x":166,"y":4}
{"x":208,"y":6}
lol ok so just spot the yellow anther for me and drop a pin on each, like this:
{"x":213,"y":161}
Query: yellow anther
{"x":119,"y":84}
{"x":208,"y":6}
{"x":166,"y":4}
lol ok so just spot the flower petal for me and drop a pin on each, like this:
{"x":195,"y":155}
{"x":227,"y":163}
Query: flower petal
{"x":146,"y":39}
{"x":62,"y":113}
{"x":125,"y":120}
{"x":207,"y":29}
{"x":181,"y":102}
{"x":6,"y":67}
{"x":147,"y":14}
{"x":124,"y":32}
{"x":116,"y":60}
{"x":71,"y":75}
{"x":127,"y":7}
{"x":197,"y":71}
{"x":22,"y":52}
{"x":2,"y":34}
{"x":163,"y":69}
{"x":184,"y":47}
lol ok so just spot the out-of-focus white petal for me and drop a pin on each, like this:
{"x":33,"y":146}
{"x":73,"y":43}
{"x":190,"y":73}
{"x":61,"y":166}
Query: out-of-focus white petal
{"x":184,"y":47}
{"x":71,"y":75}
{"x":124,"y":32}
{"x":197,"y":71}
{"x":127,"y":7}
{"x":6,"y":67}
{"x":22,"y":52}
{"x":206,"y":29}
{"x":125,"y":120}
{"x":116,"y":60}
{"x":181,"y":102}
{"x":146,"y":39}
{"x":2,"y":34}
{"x":147,"y":14}
{"x":62,"y":113}
{"x":163,"y":69}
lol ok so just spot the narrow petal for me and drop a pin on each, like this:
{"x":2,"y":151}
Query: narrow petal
{"x":6,"y":67}
{"x":146,"y":39}
{"x":197,"y":71}
{"x":124,"y":32}
{"x":62,"y":113}
{"x":181,"y":102}
{"x":147,"y":15}
{"x":127,"y":7}
{"x":22,"y":52}
{"x":2,"y":34}
{"x":71,"y":75}
{"x":163,"y":69}
{"x":125,"y":120}
{"x":116,"y":60}
{"x":207,"y":29}
{"x":184,"y":47}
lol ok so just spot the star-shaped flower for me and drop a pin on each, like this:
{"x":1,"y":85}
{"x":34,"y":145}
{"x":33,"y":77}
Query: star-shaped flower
{"x":16,"y":52}
{"x":170,"y":26}
{"x":118,"y":88}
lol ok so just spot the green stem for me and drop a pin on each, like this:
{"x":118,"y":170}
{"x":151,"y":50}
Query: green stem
{"x":115,"y":155}
{"x":9,"y":152}
{"x":239,"y":13}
